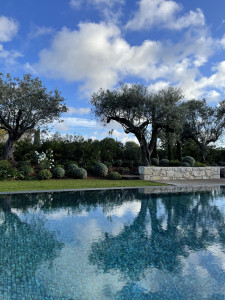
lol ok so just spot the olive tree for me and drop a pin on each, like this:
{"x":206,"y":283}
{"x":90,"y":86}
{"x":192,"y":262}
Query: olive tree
{"x":203,"y":124}
{"x":139,"y":112}
{"x":24,"y":104}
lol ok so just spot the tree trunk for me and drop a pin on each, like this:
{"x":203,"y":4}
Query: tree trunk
{"x":202,"y":153}
{"x":8,"y":149}
{"x":145,"y":155}
{"x":169,"y":147}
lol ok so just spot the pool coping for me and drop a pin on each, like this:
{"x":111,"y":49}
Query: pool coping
{"x":170,"y":185}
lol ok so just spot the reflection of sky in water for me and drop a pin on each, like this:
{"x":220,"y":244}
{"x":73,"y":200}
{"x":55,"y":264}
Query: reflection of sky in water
{"x":141,"y":247}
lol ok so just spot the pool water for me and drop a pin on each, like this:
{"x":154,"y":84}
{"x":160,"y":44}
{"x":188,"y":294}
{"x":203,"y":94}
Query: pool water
{"x":113,"y":244}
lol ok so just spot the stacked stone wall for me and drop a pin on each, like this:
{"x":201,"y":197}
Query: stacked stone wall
{"x":178,"y":173}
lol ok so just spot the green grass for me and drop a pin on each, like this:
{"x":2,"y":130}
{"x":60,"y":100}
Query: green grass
{"x":60,"y":184}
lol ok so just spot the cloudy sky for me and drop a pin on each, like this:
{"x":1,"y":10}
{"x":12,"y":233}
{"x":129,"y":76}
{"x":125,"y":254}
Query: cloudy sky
{"x":80,"y":46}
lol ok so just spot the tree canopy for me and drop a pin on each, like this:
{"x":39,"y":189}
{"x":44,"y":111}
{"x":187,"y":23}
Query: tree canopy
{"x":139,"y":111}
{"x":24,"y":104}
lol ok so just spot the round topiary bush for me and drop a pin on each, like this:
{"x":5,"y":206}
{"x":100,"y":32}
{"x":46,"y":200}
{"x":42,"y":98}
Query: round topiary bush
{"x":79,"y":173}
{"x":58,"y":172}
{"x":164,"y":162}
{"x":155,"y":161}
{"x":185,"y":164}
{"x":26,"y":170}
{"x":118,"y":163}
{"x":114,"y":176}
{"x":188,"y":159}
{"x":100,"y":170}
{"x":175,"y":163}
{"x":44,"y":174}
{"x":70,"y":169}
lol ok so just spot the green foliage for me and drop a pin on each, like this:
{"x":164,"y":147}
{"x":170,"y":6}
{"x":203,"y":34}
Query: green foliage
{"x":127,"y":164}
{"x":199,"y":164}
{"x":108,"y":164}
{"x":24,"y":150}
{"x":58,"y":172}
{"x":132,"y":152}
{"x":70,"y":169}
{"x":100,"y":170}
{"x":114,"y":176}
{"x":174,"y":163}
{"x":155,"y":161}
{"x":118,"y":163}
{"x":26,"y":170}
{"x":6,"y":170}
{"x":188,"y":159}
{"x":44,"y":174}
{"x":79,"y":173}
{"x":164,"y":162}
{"x":123,"y":170}
{"x":23,"y":163}
{"x":185,"y":164}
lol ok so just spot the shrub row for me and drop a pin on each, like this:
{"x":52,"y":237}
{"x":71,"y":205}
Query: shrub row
{"x":186,"y":161}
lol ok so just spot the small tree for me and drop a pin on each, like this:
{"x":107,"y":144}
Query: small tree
{"x":138,"y":111}
{"x":24,"y":104}
{"x":203,"y":124}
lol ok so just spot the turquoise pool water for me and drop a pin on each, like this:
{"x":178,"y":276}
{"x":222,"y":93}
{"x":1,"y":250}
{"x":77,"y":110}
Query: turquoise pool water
{"x":113,"y":244}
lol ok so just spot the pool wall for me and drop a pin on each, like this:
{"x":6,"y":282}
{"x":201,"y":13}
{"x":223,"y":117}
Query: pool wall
{"x":173,"y":173}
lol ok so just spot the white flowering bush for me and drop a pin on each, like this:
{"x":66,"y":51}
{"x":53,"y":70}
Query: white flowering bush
{"x":44,"y":160}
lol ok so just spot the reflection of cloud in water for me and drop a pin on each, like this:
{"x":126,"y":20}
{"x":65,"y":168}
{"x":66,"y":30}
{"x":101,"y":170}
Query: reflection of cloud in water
{"x":62,"y":213}
{"x":125,"y":208}
{"x":82,"y":280}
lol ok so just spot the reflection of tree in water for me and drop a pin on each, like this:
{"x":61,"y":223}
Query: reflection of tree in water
{"x":23,"y":247}
{"x":75,"y":202}
{"x":190,"y":222}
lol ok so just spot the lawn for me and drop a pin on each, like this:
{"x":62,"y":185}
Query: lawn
{"x":59,"y":184}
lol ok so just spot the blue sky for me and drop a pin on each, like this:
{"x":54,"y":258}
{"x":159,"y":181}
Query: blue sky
{"x":80,"y":46}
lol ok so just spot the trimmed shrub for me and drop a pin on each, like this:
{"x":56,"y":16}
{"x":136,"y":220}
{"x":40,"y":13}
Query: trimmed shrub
{"x":175,"y":163}
{"x":26,"y":170}
{"x":188,"y":159}
{"x":164,"y":162}
{"x":185,"y":164}
{"x":100,"y":170}
{"x":127,"y":164}
{"x":198,"y":164}
{"x":58,"y":172}
{"x":108,"y":164}
{"x":118,"y":163}
{"x":44,"y":174}
{"x":155,"y":161}
{"x":70,"y":169}
{"x":114,"y":176}
{"x":79,"y":173}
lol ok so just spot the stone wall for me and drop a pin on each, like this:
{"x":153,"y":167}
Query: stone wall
{"x":174,"y":173}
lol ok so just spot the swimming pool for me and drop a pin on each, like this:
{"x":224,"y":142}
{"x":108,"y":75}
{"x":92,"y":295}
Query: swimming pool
{"x":113,"y":244}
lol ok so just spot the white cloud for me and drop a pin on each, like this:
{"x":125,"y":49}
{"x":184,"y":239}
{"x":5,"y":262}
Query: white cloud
{"x":77,"y":3}
{"x":8,"y":29}
{"x":79,"y":111}
{"x":9,"y":57}
{"x":162,"y":13}
{"x":40,"y":31}
{"x":69,"y":123}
